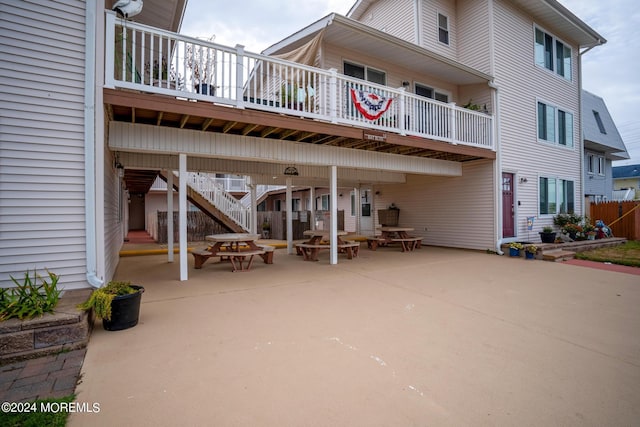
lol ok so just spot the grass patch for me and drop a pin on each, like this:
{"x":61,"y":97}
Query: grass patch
{"x":37,"y":419}
{"x":626,"y":254}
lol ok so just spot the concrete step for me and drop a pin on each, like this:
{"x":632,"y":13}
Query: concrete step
{"x":557,"y":255}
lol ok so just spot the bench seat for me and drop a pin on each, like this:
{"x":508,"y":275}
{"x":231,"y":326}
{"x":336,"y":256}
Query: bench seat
{"x":375,"y":241}
{"x":409,"y":243}
{"x":237,"y":259}
{"x":268,"y":253}
{"x":200,"y":256}
{"x":310,"y":252}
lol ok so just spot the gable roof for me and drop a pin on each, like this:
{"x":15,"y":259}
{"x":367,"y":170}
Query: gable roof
{"x":603,"y":135}
{"x":350,"y":34}
{"x":547,"y":10}
{"x":628,"y":171}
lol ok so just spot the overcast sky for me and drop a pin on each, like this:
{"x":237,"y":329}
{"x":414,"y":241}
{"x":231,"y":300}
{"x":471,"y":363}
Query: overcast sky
{"x":610,"y":71}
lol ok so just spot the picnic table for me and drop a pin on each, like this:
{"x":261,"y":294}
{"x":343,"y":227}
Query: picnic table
{"x":394,"y":234}
{"x":317,"y":238}
{"x":237,"y":248}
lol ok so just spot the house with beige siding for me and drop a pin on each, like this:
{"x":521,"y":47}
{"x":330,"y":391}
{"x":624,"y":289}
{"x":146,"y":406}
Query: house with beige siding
{"x":463,"y":114}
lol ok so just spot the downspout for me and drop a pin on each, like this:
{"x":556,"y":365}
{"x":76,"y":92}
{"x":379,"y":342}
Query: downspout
{"x":581,"y":141}
{"x":89,"y":145}
{"x":498,"y":169}
{"x":497,"y":136}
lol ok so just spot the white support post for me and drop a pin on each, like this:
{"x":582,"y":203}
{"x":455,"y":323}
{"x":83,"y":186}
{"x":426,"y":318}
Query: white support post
{"x":169,"y":174}
{"x":182,"y":226}
{"x":239,"y":76}
{"x":254,"y":205}
{"x":109,"y":53}
{"x":358,"y":206}
{"x":289,"y":211}
{"x":312,"y":195}
{"x":333,"y":95}
{"x":401,"y":120}
{"x":333,"y":234}
{"x":452,"y":123}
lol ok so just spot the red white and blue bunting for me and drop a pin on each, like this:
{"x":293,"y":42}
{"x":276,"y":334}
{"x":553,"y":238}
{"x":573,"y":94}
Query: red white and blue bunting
{"x":371,"y":106}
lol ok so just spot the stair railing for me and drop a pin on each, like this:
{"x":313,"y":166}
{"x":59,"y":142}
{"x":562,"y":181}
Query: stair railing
{"x":214,"y":192}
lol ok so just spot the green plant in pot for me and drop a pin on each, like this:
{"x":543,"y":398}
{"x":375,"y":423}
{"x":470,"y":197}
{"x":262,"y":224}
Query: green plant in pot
{"x":547,"y":235}
{"x":266,"y":227}
{"x":117,"y":304}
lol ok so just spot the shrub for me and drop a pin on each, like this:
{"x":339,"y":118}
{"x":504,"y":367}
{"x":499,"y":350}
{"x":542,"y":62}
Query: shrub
{"x":28,"y":299}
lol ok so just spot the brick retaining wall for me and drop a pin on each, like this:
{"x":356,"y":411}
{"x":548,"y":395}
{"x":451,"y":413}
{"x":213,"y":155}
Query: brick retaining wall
{"x":66,"y":329}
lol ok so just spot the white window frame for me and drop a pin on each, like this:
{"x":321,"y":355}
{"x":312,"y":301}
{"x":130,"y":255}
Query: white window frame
{"x":443,"y":30}
{"x":435,"y":91}
{"x":322,"y":202}
{"x":601,"y":166}
{"x":366,"y":69}
{"x":558,"y":203}
{"x":590,"y":163}
{"x":556,"y":125}
{"x":540,"y":61}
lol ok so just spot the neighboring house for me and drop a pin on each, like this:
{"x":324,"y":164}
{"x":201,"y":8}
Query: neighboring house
{"x":373,"y":105}
{"x":602,"y":145}
{"x":626,"y":182}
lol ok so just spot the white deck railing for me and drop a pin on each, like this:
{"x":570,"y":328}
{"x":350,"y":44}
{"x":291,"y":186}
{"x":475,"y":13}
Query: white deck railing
{"x":156,"y":61}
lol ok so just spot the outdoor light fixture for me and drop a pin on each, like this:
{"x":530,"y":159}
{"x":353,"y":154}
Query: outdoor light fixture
{"x":119,"y":167}
{"x":523,"y":180}
{"x":291,"y":171}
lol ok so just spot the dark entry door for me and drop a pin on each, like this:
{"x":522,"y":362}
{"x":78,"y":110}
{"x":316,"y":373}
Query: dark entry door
{"x":508,"y":208}
{"x":136,"y":212}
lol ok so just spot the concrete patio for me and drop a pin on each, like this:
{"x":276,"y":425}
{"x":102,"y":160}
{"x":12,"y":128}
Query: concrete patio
{"x":433,"y":337}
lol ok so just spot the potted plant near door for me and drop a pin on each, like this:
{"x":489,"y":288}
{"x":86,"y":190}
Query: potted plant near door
{"x":117,"y":304}
{"x":266,"y":228}
{"x":530,"y":251}
{"x":547,"y":235}
{"x":515,"y":248}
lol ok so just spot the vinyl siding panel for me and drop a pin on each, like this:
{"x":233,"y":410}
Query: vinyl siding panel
{"x":429,"y":26}
{"x":395,"y":17}
{"x":473,"y":35}
{"x":42,"y":216}
{"x":521,"y":85}
{"x":457,"y":212}
{"x":115,"y":206}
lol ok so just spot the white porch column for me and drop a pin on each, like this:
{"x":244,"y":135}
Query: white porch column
{"x":182,"y":215}
{"x":333,"y":205}
{"x":288,"y":201}
{"x":254,"y":205}
{"x":312,"y":208}
{"x":358,"y":208}
{"x":169,"y":174}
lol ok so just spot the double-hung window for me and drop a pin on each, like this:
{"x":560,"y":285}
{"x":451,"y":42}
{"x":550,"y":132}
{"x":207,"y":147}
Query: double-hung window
{"x":365,"y":73}
{"x":552,"y":54}
{"x":555,"y":125}
{"x":556,"y":196}
{"x":443,"y":28}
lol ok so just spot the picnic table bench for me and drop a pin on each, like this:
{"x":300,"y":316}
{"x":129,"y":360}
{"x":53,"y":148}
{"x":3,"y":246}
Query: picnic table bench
{"x":237,"y":259}
{"x":310,"y":251}
{"x":409,"y":243}
{"x":395,"y":235}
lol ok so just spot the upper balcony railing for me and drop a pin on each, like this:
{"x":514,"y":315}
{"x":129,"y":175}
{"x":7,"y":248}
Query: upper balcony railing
{"x":156,"y":61}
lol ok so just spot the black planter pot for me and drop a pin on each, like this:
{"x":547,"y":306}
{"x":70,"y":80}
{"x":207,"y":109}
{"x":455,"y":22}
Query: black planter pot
{"x":125,"y":311}
{"x":547,"y":237}
{"x":206,"y":89}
